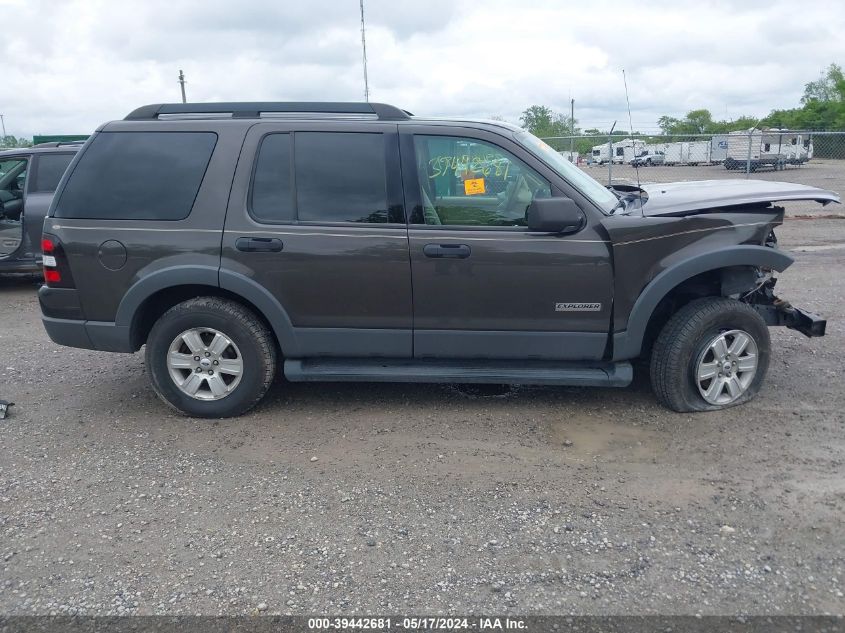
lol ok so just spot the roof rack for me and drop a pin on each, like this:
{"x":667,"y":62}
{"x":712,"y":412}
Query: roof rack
{"x":254,"y":109}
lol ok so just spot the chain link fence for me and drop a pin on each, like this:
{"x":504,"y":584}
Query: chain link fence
{"x":808,"y":158}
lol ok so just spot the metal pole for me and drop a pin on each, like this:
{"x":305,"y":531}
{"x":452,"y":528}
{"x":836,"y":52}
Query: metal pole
{"x":571,"y":129}
{"x":610,"y":152}
{"x":4,"y":125}
{"x":748,"y":160}
{"x":364,"y":49}
{"x":182,"y":83}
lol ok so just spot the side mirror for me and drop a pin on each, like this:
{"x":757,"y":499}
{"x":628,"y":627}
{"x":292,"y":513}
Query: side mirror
{"x":555,"y":215}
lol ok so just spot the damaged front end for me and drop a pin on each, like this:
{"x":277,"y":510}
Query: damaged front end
{"x":756,"y":287}
{"x":776,"y":311}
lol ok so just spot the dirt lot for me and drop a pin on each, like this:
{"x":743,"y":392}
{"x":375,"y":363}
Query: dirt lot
{"x":409,"y":499}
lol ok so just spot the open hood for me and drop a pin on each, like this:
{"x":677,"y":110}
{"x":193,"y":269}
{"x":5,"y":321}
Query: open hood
{"x":677,"y":198}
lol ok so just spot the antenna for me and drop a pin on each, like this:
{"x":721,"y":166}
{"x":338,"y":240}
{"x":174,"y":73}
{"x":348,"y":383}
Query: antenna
{"x":364,"y":47}
{"x":631,"y":126}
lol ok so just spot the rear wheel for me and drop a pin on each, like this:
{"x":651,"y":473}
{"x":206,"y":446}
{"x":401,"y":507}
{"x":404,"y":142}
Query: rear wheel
{"x":210,"y":357}
{"x":712,"y":354}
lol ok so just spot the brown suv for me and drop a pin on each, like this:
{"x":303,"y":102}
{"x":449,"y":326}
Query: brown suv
{"x":355,"y":242}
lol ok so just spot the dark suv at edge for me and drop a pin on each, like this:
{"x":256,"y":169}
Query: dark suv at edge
{"x":28,"y":179}
{"x":355,"y":242}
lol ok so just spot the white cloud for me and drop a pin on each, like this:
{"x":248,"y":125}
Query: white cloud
{"x":68,"y":66}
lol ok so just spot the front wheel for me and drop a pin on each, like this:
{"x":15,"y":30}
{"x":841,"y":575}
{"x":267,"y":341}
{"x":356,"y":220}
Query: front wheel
{"x":210,"y":358}
{"x":712,"y":354}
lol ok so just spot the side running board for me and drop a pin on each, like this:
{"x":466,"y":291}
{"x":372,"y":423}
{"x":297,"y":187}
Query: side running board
{"x":575,"y":374}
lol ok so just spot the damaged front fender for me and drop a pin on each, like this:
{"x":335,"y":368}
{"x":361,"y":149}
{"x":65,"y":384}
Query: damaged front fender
{"x":628,"y":344}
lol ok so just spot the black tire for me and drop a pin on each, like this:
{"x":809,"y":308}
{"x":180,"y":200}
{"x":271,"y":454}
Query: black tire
{"x":684,"y":339}
{"x":252,"y":338}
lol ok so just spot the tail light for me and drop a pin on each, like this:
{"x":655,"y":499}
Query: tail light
{"x":56,"y":269}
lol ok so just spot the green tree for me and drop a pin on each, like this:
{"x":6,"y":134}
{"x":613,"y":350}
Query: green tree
{"x":829,"y":87}
{"x":542,"y":121}
{"x":10,"y":141}
{"x":823,"y":105}
{"x":701,"y":122}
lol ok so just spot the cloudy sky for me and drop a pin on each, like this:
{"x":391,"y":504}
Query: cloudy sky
{"x":71,"y":64}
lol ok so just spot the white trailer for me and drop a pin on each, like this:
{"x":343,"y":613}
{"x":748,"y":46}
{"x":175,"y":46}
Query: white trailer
{"x":775,"y":148}
{"x":688,"y":153}
{"x":620,"y":152}
{"x":572,"y":157}
{"x":719,"y":148}
{"x":632,"y":150}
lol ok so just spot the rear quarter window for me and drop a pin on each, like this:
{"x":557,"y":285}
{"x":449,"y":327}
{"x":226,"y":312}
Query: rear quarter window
{"x":137,"y":176}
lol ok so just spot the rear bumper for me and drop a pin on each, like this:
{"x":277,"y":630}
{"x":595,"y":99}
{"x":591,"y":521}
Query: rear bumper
{"x":105,"y":337}
{"x":20,"y":266}
{"x":63,"y":319}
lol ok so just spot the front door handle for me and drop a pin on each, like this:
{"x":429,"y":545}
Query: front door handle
{"x":259,"y":244}
{"x":451,"y":251}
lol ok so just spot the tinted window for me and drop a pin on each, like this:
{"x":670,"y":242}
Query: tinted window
{"x":340,"y":177}
{"x":464,"y":181}
{"x":272,"y":200}
{"x":49,"y":170}
{"x":138,"y":175}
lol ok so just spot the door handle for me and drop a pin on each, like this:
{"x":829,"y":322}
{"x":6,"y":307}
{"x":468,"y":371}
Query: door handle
{"x":259,"y":244}
{"x":450,"y":251}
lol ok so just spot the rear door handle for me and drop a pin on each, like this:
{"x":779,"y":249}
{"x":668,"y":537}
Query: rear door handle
{"x":451,"y":251}
{"x":259,"y":244}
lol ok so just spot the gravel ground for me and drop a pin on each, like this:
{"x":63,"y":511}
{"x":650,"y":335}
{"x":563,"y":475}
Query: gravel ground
{"x":409,"y":499}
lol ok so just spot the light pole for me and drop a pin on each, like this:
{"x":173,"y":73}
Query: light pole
{"x":182,"y":83}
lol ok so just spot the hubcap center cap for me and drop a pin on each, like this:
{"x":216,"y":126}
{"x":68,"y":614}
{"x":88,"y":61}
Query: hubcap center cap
{"x":206,"y":363}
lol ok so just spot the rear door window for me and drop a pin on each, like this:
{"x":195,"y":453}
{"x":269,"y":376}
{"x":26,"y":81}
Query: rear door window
{"x":138,"y":176}
{"x":49,"y":169}
{"x":341,"y":177}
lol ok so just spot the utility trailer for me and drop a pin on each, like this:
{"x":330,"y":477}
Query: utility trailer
{"x":687,"y":153}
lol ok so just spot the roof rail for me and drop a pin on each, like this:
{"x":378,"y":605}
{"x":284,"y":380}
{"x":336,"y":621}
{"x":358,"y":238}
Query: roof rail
{"x":57,"y":144}
{"x":254,"y":109}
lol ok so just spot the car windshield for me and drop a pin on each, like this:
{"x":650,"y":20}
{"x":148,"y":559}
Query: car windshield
{"x":583,"y":182}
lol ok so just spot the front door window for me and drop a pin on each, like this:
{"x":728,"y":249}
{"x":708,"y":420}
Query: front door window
{"x":468,"y":182}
